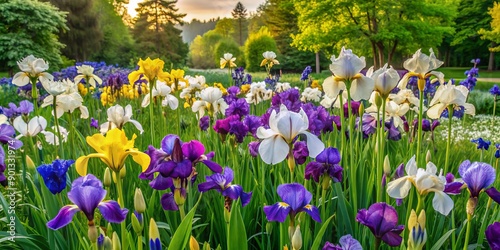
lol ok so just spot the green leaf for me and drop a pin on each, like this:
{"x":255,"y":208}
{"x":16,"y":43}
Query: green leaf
{"x":237,"y":235}
{"x":319,"y":236}
{"x":441,"y":240}
{"x":183,"y":232}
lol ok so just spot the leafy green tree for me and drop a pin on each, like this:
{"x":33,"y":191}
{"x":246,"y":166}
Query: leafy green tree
{"x":225,"y":27}
{"x":257,"y":44}
{"x":494,"y":34}
{"x":30,"y":27}
{"x":387,"y":26}
{"x":240,"y":16}
{"x":155,"y":31}
{"x":258,"y":18}
{"x":202,"y":50}
{"x":84,"y":35}
{"x":228,"y":45}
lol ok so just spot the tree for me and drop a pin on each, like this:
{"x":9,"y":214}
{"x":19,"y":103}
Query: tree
{"x":225,"y":27}
{"x":257,"y":44}
{"x":386,"y":26}
{"x":202,"y":50}
{"x":240,"y":15}
{"x":84,"y":35}
{"x":494,"y":34}
{"x":30,"y":27}
{"x":156,"y":33}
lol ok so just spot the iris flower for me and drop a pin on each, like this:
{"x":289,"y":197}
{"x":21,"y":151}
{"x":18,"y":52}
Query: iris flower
{"x":418,"y":234}
{"x":222,"y":183}
{"x":7,"y":133}
{"x":326,"y":164}
{"x":382,"y":220}
{"x":112,"y":150}
{"x":296,"y":199}
{"x":211,"y":101}
{"x":481,"y":143}
{"x":258,"y":93}
{"x":117,"y":117}
{"x":425,"y":181}
{"x":228,"y":60}
{"x":54,"y":174}
{"x":346,"y":69}
{"x":87,"y":72}
{"x":478,"y":176}
{"x":36,"y":125}
{"x":150,"y":69}
{"x":31,"y":67}
{"x":421,"y":66}
{"x":285,"y":126}
{"x":269,"y":59}
{"x":68,"y":101}
{"x":449,"y":95}
{"x":163,"y":90}
{"x":493,"y":235}
{"x":87,"y":194}
{"x":386,"y":79}
{"x":347,"y":242}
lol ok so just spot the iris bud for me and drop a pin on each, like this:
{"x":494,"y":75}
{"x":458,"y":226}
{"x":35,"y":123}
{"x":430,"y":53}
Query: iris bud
{"x":116,"y":242}
{"x":139,"y":203}
{"x":297,"y":239}
{"x":193,"y":244}
{"x":107,"y":178}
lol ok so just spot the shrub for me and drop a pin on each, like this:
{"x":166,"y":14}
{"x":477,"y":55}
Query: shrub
{"x":257,"y":44}
{"x":228,"y":45}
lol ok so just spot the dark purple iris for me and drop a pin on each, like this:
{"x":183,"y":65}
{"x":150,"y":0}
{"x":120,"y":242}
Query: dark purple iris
{"x":493,"y":235}
{"x":369,"y":125}
{"x":253,"y":123}
{"x":354,"y":108}
{"x":452,"y":186}
{"x":300,"y":152}
{"x":54,"y":174}
{"x":326,"y":164}
{"x":481,"y":144}
{"x":479,"y":176}
{"x":305,"y":74}
{"x":296,"y":199}
{"x":497,"y":152}
{"x":239,"y":107}
{"x":87,"y":194}
{"x":393,"y":132}
{"x":204,"y":123}
{"x":3,"y":179}
{"x":290,"y":98}
{"x":382,"y":220}
{"x":25,"y":107}
{"x":253,"y":148}
{"x":347,"y":242}
{"x":94,"y":123}
{"x":495,"y":90}
{"x":222,"y":183}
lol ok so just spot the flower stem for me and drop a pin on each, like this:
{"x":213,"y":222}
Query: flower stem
{"x":381,"y":154}
{"x":139,"y":242}
{"x":56,"y":122}
{"x":484,"y":223}
{"x":352,"y":167}
{"x":182,"y":212}
{"x":494,"y":109}
{"x":323,"y":201}
{"x":71,"y":134}
{"x":467,"y":233}
{"x":122,"y":205}
{"x":448,"y":142}
{"x":420,"y":204}
{"x":34,"y":94}
{"x":419,"y":133}
{"x":377,"y":243}
{"x":151,"y":104}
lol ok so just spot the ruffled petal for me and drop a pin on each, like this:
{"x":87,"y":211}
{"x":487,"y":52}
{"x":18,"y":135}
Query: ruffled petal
{"x":168,"y":202}
{"x":362,"y":88}
{"x":399,"y":188}
{"x":442,"y":203}
{"x":313,"y":212}
{"x":273,"y":150}
{"x":277,"y":212}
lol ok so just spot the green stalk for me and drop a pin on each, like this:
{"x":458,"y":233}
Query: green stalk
{"x":467,"y":233}
{"x":152,"y":84}
{"x":34,"y":94}
{"x":377,"y":243}
{"x":56,"y":122}
{"x":342,"y":125}
{"x":419,"y":134}
{"x":381,"y":154}
{"x":323,"y":201}
{"x":448,"y":142}
{"x":484,"y":223}
{"x":420,"y":204}
{"x":494,"y":109}
{"x":122,"y":205}
{"x":139,"y":242}
{"x":182,"y":212}
{"x":352,"y":167}
{"x":71,"y":134}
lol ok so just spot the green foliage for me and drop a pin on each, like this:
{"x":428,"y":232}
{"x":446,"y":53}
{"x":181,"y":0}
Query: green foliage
{"x":225,"y":27}
{"x":202,"y":50}
{"x":257,"y":44}
{"x":196,"y":27}
{"x":240,"y":23}
{"x":30,"y":27}
{"x":228,"y":45}
{"x":493,"y":34}
{"x":483,"y":102}
{"x":85,"y":34}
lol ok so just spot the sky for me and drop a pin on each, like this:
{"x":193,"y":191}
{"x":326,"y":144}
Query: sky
{"x":205,"y":9}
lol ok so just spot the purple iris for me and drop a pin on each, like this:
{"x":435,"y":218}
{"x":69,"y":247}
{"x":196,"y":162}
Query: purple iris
{"x":327,"y":164}
{"x":393,"y":132}
{"x":305,"y":74}
{"x":452,"y":186}
{"x":25,"y":107}
{"x":354,"y":108}
{"x":481,"y":144}
{"x":222,"y":183}
{"x":382,"y":220}
{"x":493,"y":235}
{"x":495,"y":90}
{"x":253,"y":148}
{"x":347,"y":242}
{"x":54,"y":175}
{"x":290,"y":98}
{"x":300,"y":152}
{"x":369,"y":125}
{"x":478,"y":176}
{"x":94,"y":123}
{"x":239,"y":107}
{"x":497,"y":153}
{"x":7,"y":134}
{"x":296,"y":199}
{"x":87,"y":194}
{"x":3,"y":179}
{"x":204,"y":123}
{"x":253,"y":123}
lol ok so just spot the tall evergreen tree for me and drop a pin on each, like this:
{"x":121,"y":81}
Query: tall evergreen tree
{"x":240,"y":16}
{"x":156,"y":33}
{"x":84,"y":35}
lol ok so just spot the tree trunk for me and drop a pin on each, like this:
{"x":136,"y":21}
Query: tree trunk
{"x":491,"y":61}
{"x":318,"y":68}
{"x":374,"y":54}
{"x":391,"y":53}
{"x":380,"y":50}
{"x":241,"y":35}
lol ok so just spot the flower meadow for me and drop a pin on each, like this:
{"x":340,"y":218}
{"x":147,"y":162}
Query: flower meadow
{"x":101,"y":157}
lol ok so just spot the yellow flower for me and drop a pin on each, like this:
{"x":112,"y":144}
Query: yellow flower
{"x":151,"y":69}
{"x":112,"y":150}
{"x":245,"y":88}
{"x":418,"y":234}
{"x":228,"y":60}
{"x":221,"y":87}
{"x":315,"y":84}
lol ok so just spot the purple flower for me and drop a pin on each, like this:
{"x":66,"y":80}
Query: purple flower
{"x":497,"y":153}
{"x":25,"y":107}
{"x":238,"y":129}
{"x":327,"y":164}
{"x":382,"y":220}
{"x":87,"y":194}
{"x":290,"y":98}
{"x":369,"y":126}
{"x":495,"y":90}
{"x":347,"y":242}
{"x":481,"y":144}
{"x":300,"y":152}
{"x":222,"y":125}
{"x":493,"y":235}
{"x":222,"y":183}
{"x":3,"y":179}
{"x":354,"y":108}
{"x":452,"y":186}
{"x":478,"y":176}
{"x":94,"y":123}
{"x":305,"y":73}
{"x":394,"y":133}
{"x":232,"y":94}
{"x":204,"y":123}
{"x":253,"y":123}
{"x":239,"y":107}
{"x":253,"y":148}
{"x":7,"y":134}
{"x":54,"y":175}
{"x":296,"y":199}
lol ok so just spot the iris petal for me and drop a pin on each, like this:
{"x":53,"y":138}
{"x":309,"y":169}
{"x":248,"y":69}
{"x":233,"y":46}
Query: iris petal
{"x":277,"y":212}
{"x":64,"y":217}
{"x":112,"y":212}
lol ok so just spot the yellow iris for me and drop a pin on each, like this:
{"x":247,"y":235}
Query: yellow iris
{"x":151,"y":69}
{"x":112,"y":150}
